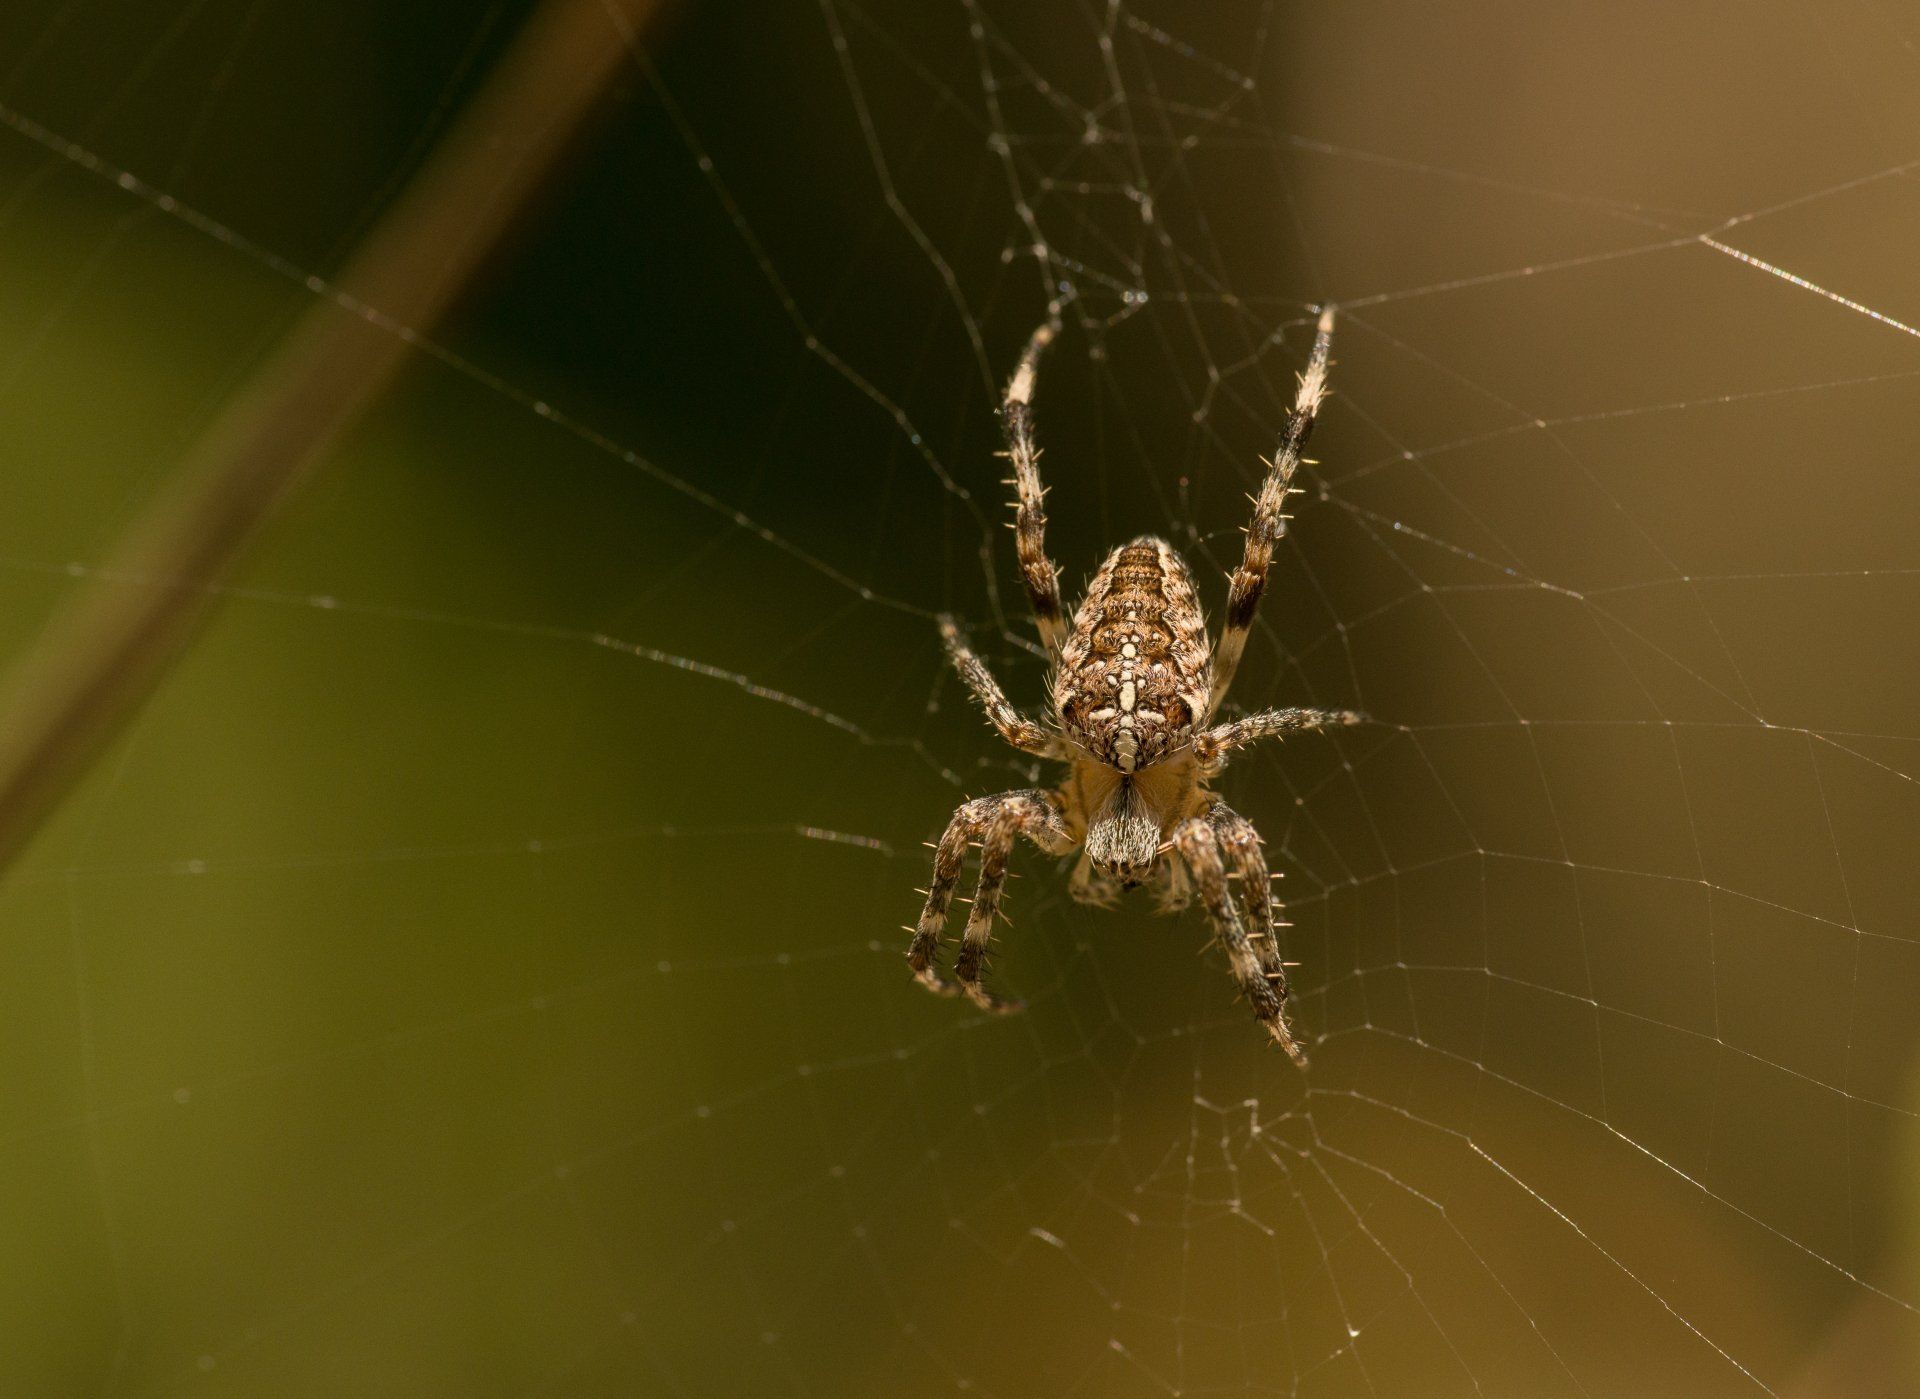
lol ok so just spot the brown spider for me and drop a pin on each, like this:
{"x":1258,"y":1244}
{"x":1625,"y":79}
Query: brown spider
{"x":1134,"y":692}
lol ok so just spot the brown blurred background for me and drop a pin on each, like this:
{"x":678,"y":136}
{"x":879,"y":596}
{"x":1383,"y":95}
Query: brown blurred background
{"x":444,"y":989}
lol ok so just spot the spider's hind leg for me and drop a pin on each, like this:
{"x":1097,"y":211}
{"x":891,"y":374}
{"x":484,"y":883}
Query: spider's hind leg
{"x":1037,"y":570}
{"x":1269,"y":524}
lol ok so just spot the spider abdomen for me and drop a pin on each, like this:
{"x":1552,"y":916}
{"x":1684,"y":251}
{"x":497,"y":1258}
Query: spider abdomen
{"x":1132,"y":681}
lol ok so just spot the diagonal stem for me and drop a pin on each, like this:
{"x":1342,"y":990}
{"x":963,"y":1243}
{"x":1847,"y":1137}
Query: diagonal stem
{"x":99,"y":659}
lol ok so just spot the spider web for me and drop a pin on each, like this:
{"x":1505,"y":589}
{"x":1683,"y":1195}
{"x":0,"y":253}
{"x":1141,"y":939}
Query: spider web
{"x":477,"y":972}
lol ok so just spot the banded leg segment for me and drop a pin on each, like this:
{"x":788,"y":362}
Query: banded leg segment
{"x":1041,"y":822}
{"x":1042,"y":579}
{"x":994,"y":822}
{"x":1240,"y":843}
{"x":1015,"y":727}
{"x":1211,"y":746}
{"x":1199,"y":845}
{"x":1269,"y":525}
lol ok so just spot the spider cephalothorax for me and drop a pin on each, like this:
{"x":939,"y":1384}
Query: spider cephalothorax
{"x":1135,"y":690}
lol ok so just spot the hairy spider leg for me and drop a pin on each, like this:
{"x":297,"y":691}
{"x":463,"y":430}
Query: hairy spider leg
{"x":1269,"y":525}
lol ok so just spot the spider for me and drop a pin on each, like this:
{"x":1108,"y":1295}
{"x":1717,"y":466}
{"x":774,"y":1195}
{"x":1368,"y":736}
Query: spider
{"x":1134,"y":693}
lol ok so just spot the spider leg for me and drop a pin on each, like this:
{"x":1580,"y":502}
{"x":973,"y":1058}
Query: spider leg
{"x":1172,"y":891}
{"x":1089,"y":886}
{"x":994,"y":821}
{"x":1015,"y":727}
{"x":1036,"y":817}
{"x":1269,"y":525}
{"x":1030,"y":524}
{"x":1199,"y":845}
{"x":1241,"y":844}
{"x":1211,"y":746}
{"x":948,"y":857}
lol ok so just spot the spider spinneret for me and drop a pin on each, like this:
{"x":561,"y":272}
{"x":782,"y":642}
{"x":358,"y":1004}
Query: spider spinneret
{"x":1135,"y":689}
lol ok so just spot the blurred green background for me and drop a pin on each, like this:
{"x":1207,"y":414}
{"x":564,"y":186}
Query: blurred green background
{"x":442,"y":989}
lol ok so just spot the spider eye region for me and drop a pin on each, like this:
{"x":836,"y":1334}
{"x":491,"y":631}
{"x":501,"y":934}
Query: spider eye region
{"x":1128,"y":816}
{"x":1124,"y":840}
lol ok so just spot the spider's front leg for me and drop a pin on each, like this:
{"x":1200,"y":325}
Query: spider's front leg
{"x":1240,"y":843}
{"x":1198,"y":841}
{"x":994,"y":822}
